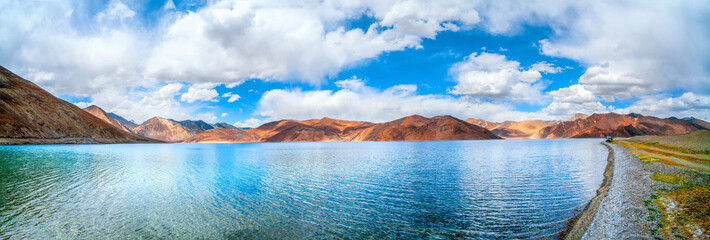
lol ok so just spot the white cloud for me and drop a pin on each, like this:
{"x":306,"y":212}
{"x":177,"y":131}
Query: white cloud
{"x":249,"y":123}
{"x":545,"y":67}
{"x":199,"y":94}
{"x":687,"y":105}
{"x":141,"y":104}
{"x":491,"y":75}
{"x":232,"y":97}
{"x":230,"y":41}
{"x":224,"y":114}
{"x":356,"y":101}
{"x":573,"y":94}
{"x":207,"y":117}
{"x":116,"y":11}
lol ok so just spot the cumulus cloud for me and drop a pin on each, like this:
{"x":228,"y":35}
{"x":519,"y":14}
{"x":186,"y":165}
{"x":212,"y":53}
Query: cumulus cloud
{"x":232,"y":97}
{"x":230,"y":41}
{"x":357,"y":101}
{"x":573,"y":94}
{"x":688,"y":104}
{"x":493,"y":76}
{"x":199,"y":94}
{"x":144,"y":103}
{"x":631,"y":48}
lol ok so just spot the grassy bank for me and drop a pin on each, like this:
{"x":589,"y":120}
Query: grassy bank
{"x":681,"y":211}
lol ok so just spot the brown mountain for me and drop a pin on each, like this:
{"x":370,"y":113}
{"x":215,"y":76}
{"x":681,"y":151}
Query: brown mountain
{"x":224,"y":135}
{"x":31,"y":115}
{"x":612,"y":124}
{"x":482,"y":123}
{"x":412,"y":128}
{"x":418,"y":128}
{"x":314,"y":130}
{"x":578,"y":116}
{"x":170,"y":130}
{"x":521,"y":129}
{"x":512,"y":129}
{"x":101,"y":114}
{"x":163,"y":129}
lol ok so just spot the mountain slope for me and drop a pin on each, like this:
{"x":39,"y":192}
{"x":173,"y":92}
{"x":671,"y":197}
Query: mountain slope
{"x":314,"y":130}
{"x":195,"y":127}
{"x":224,"y":125}
{"x":418,"y":128}
{"x":101,"y":114}
{"x":163,"y":129}
{"x":29,"y":114}
{"x":512,"y":129}
{"x":224,"y":135}
{"x":124,"y":122}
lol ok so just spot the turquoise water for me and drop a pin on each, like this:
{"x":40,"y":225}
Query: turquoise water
{"x":443,"y":189}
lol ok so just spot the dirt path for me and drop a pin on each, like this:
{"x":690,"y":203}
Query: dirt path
{"x":700,"y":166}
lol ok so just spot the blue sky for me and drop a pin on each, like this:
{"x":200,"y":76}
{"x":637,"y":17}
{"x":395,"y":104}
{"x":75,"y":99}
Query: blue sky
{"x":247,"y":62}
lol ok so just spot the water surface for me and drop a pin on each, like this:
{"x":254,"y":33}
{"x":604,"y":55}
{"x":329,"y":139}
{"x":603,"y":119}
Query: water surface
{"x":443,"y":189}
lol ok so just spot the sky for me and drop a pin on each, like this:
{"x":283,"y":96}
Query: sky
{"x":248,"y":62}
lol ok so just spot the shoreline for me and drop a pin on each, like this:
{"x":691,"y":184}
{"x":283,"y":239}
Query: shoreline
{"x":579,"y":224}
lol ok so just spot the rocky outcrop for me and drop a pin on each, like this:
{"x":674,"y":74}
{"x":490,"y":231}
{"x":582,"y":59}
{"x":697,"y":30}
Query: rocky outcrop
{"x":29,"y":114}
{"x":418,"y":128}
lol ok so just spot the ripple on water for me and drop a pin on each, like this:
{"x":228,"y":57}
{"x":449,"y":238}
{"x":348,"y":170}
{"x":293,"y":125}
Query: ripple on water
{"x":448,"y":189}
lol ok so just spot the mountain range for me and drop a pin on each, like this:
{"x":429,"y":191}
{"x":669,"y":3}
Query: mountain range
{"x":29,"y":114}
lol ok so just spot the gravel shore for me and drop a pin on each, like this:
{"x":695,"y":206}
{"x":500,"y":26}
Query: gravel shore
{"x":622,"y":214}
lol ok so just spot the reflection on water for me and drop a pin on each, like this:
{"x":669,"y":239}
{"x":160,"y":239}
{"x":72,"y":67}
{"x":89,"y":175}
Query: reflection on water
{"x":446,"y":189}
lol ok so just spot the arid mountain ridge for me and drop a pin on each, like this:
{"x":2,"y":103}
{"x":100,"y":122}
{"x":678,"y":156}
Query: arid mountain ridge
{"x":31,"y":115}
{"x":28,"y":114}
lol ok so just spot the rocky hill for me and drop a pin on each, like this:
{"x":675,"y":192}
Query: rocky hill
{"x":31,"y":115}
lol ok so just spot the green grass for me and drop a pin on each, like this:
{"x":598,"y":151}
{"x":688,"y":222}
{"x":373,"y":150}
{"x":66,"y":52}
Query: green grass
{"x":668,"y":178}
{"x":684,"y":211}
{"x":697,"y":142}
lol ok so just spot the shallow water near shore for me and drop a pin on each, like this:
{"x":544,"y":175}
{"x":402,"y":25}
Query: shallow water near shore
{"x":444,"y":189}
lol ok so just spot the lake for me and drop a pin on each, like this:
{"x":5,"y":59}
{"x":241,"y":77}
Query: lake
{"x":440,"y":189}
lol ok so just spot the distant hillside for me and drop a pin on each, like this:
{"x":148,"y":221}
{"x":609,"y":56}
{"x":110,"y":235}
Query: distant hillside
{"x":31,"y":115}
{"x":418,"y":128}
{"x":224,"y":125}
{"x":224,"y":135}
{"x":314,"y":130}
{"x":612,"y":124}
{"x":513,"y":129}
{"x":101,"y":114}
{"x":124,"y":122}
{"x":412,"y":128}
